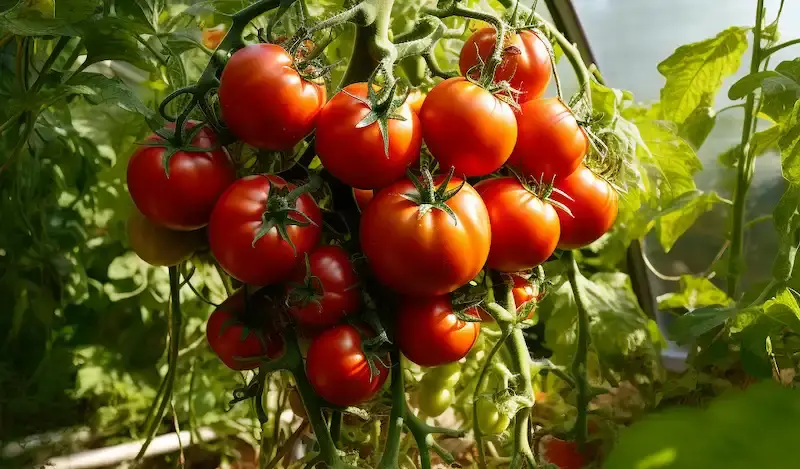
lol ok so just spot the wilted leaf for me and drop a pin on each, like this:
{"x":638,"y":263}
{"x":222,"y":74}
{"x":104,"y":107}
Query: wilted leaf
{"x":695,"y":72}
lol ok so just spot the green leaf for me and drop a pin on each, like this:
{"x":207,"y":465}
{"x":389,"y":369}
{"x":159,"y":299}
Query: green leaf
{"x":781,"y":90}
{"x":696,"y":128}
{"x":695,"y":72}
{"x":688,"y":327}
{"x":694,"y":292}
{"x":745,"y":430}
{"x":749,"y":83}
{"x":100,"y":89}
{"x":786,"y":218}
{"x":754,"y":355}
{"x":760,"y":144}
{"x":673,"y":224}
{"x":789,"y":143}
{"x":39,"y":18}
{"x":115,"y":39}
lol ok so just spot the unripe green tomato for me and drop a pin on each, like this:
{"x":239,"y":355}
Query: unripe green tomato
{"x":490,"y":420}
{"x":433,"y":398}
{"x":448,"y":374}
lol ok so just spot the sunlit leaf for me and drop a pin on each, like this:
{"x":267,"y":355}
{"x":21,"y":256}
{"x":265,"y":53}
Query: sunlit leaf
{"x":673,"y":224}
{"x":694,"y":292}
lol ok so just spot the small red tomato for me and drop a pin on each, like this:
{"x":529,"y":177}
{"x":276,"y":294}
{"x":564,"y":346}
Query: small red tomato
{"x":467,"y":127}
{"x":551,"y":143}
{"x":430,"y":334}
{"x":356,"y":155}
{"x":526,"y":61}
{"x":525,"y":229}
{"x":594,"y":208}
{"x":326,"y":294}
{"x":563,"y":454}
{"x":184,"y":199}
{"x":251,"y":205}
{"x":338,"y":368}
{"x":363,"y":197}
{"x":264,"y":100}
{"x":237,"y":345}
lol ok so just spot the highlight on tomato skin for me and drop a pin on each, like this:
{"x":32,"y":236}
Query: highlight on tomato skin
{"x":594,"y":207}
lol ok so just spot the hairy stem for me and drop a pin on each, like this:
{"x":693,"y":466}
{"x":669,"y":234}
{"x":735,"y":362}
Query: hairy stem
{"x":579,"y":361}
{"x":745,"y":166}
{"x":391,"y":453}
{"x":767,"y":52}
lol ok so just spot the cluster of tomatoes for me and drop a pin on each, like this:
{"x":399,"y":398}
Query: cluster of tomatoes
{"x":423,"y":236}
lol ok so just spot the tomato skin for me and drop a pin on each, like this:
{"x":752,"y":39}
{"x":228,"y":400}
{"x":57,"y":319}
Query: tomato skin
{"x":229,"y":338}
{"x":563,"y":454}
{"x":467,"y":127}
{"x":184,"y":200}
{"x":525,"y":229}
{"x":427,"y":256}
{"x":338,"y":369}
{"x":363,"y":197}
{"x":527,"y":67}
{"x":160,"y":246}
{"x":433,"y":397}
{"x":335,"y":282}
{"x":490,"y":420}
{"x":594,"y":208}
{"x":356,"y":156}
{"x":236,"y":220}
{"x":264,"y":101}
{"x":430,"y":334}
{"x":551,"y":143}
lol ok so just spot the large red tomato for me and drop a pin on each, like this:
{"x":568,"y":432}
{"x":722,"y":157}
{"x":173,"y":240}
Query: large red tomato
{"x":356,"y":155}
{"x":594,"y":208}
{"x":467,"y":127}
{"x":526,"y":61}
{"x":264,"y":100}
{"x":182,"y":200}
{"x":236,"y":344}
{"x":338,"y":369}
{"x":423,"y":251}
{"x":430,"y":334}
{"x":323,"y":296}
{"x":551,"y":143}
{"x":525,"y":229}
{"x":563,"y":454}
{"x":242,"y":211}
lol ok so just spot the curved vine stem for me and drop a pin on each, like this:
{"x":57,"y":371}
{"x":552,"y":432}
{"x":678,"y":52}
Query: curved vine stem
{"x":579,"y":362}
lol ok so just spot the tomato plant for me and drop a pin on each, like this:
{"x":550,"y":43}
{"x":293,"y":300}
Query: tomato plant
{"x":265,"y":101}
{"x":427,"y":238}
{"x":526,"y":61}
{"x":262,"y":227}
{"x":434,"y":397}
{"x":467,"y":127}
{"x":324,"y":290}
{"x":429,"y":333}
{"x":490,"y":420}
{"x":551,"y":143}
{"x":525,"y":228}
{"x":593,"y":206}
{"x":177,"y":188}
{"x":339,"y":370}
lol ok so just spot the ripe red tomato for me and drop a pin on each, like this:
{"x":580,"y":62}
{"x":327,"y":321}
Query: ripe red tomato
{"x":264,"y":101}
{"x":467,"y":127}
{"x":526,"y":61}
{"x":525,"y":229}
{"x":331,"y":292}
{"x":425,"y":255}
{"x":356,"y":156}
{"x":160,"y":246}
{"x":523,"y":291}
{"x":594,"y":208}
{"x":430,"y":334}
{"x":563,"y":454}
{"x":551,"y":143}
{"x":363,"y":197}
{"x":237,"y":219}
{"x":233,"y":341}
{"x":338,"y":369}
{"x":184,"y":199}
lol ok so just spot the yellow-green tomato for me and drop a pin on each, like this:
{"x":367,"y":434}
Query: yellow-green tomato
{"x":490,"y":420}
{"x":433,"y":397}
{"x":448,"y":375}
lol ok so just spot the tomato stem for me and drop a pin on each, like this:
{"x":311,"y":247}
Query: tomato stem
{"x":579,"y":361}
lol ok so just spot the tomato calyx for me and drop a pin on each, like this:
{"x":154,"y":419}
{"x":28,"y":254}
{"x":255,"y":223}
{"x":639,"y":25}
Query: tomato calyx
{"x":381,"y":105}
{"x":281,"y":205}
{"x":428,"y":196}
{"x":172,"y":143}
{"x":542,"y":190}
{"x":307,"y":292}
